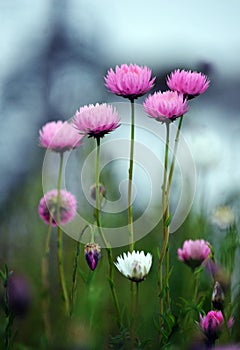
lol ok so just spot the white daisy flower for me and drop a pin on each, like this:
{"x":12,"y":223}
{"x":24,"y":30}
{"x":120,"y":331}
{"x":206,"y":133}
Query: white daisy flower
{"x":135,"y":265}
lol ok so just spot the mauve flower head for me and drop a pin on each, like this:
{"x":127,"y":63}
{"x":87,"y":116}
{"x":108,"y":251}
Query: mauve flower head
{"x":18,"y":295}
{"x":48,"y":207}
{"x":59,"y":136}
{"x":135,"y":265}
{"x":193,"y":253}
{"x":96,"y":120}
{"x":129,"y":81}
{"x":165,"y":106}
{"x":211,"y":324}
{"x":93,"y":191}
{"x":188,"y":83}
{"x":92,"y":254}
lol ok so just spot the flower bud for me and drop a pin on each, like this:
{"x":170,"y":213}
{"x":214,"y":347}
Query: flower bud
{"x":218,"y":296}
{"x":92,"y":254}
{"x":18,"y":295}
{"x":211,"y":325}
{"x":93,"y":191}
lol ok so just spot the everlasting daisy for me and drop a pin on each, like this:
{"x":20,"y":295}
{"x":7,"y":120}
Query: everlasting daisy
{"x":212,"y":325}
{"x":194,"y":253}
{"x":96,"y":121}
{"x":48,"y":207}
{"x":135,"y":265}
{"x":59,"y":136}
{"x":165,"y":106}
{"x":189,"y":83}
{"x":130,"y":81}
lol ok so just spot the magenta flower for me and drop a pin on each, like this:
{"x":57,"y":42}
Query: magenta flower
{"x":48,"y":207}
{"x":190,"y":84}
{"x":59,"y":136}
{"x":96,"y":121}
{"x":211,"y":324}
{"x":165,"y":106}
{"x":194,"y":253}
{"x":92,"y":254}
{"x":130,"y":81}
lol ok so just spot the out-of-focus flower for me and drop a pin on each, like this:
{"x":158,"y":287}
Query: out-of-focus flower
{"x":165,"y":106}
{"x":92,"y":253}
{"x":130,"y":81}
{"x":218,"y":274}
{"x":93,"y":191}
{"x":59,"y":136}
{"x":96,"y":120}
{"x":18,"y":295}
{"x":228,"y":347}
{"x":211,"y":324}
{"x":218,"y":296}
{"x":189,"y":83}
{"x":48,"y":207}
{"x":223,"y":217}
{"x":193,"y":253}
{"x":135,"y":265}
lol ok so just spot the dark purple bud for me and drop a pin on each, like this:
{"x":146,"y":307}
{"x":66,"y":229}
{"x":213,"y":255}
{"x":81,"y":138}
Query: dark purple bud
{"x":92,"y":254}
{"x":18,"y":295}
{"x":93,"y":191}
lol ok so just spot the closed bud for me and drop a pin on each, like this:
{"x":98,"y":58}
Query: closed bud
{"x":92,"y":254}
{"x":93,"y":191}
{"x":218,"y":296}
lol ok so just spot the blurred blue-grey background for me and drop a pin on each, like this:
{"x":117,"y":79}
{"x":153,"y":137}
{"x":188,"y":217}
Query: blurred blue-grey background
{"x":54,"y":54}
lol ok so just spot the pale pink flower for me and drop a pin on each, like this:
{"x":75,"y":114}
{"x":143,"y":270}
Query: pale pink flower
{"x":165,"y":106}
{"x":188,"y":83}
{"x":194,"y":253}
{"x":48,"y":207}
{"x":211,"y":324}
{"x":59,"y":136}
{"x":96,"y":121}
{"x":130,"y":81}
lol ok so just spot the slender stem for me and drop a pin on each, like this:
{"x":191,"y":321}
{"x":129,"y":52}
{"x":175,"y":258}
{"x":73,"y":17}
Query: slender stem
{"x":165,"y":226}
{"x":130,"y":178}
{"x":174,"y":157}
{"x":196,"y":286}
{"x":8,"y":331}
{"x":169,"y":182}
{"x":45,"y":282}
{"x":74,"y":275}
{"x":59,"y":241}
{"x":108,"y":247}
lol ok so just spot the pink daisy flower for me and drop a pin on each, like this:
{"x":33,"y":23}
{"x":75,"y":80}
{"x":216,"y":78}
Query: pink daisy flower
{"x":96,"y":121}
{"x":188,"y":83}
{"x":194,"y":253}
{"x":130,"y":81}
{"x":165,"y":106}
{"x":211,"y":324}
{"x":48,"y":207}
{"x":59,"y":136}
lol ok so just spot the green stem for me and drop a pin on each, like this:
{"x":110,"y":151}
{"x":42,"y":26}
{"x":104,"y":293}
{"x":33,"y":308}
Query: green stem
{"x":196,"y":286}
{"x":45,"y":282}
{"x":130,"y":178}
{"x":169,"y":182}
{"x":165,"y":226}
{"x":8,"y":331}
{"x":59,"y":241}
{"x":75,"y":267}
{"x":135,"y":316}
{"x":107,"y":245}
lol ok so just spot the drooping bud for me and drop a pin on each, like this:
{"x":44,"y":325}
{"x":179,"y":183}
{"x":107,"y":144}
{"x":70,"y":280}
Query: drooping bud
{"x":18,"y":295}
{"x":92,"y":255}
{"x":218,"y":296}
{"x":93,"y":191}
